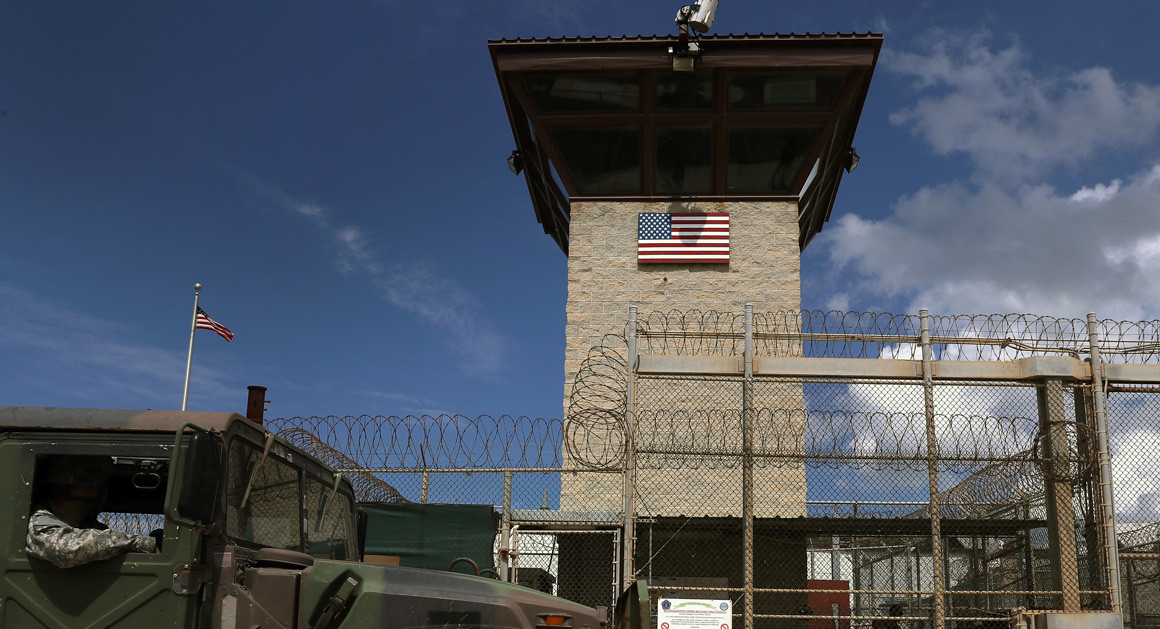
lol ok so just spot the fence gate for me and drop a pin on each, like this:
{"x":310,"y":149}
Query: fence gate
{"x":577,"y":564}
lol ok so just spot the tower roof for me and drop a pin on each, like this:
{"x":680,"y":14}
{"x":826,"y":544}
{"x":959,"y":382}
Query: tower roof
{"x":761,"y":117}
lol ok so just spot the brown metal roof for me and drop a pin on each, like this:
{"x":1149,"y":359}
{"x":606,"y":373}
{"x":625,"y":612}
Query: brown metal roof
{"x":47,"y":417}
{"x":704,"y":38}
{"x":552,"y":186}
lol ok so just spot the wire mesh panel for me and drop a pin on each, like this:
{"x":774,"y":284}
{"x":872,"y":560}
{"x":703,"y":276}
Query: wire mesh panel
{"x":926,"y":500}
{"x":134,"y":523}
{"x":867,"y":470}
{"x":1135,"y":459}
{"x":1140,"y":553}
{"x":576,"y":564}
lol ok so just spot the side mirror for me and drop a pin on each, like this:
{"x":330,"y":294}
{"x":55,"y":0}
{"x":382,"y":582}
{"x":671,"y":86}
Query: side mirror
{"x":200,"y":478}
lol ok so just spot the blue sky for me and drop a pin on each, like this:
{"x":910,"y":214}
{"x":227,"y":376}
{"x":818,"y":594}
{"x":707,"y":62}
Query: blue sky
{"x":334,"y":175}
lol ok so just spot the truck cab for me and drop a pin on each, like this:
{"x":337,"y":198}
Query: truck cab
{"x":252,"y":531}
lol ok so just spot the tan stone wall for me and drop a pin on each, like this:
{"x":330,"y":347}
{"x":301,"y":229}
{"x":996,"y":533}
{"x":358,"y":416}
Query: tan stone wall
{"x":604,"y":279}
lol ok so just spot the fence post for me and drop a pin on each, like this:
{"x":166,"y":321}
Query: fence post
{"x":629,"y":515}
{"x":1107,"y":504}
{"x":932,"y":470}
{"x":505,"y":527}
{"x":1058,"y":496}
{"x":856,"y":572}
{"x":747,"y":470}
{"x":1029,"y":556}
{"x":425,"y":486}
{"x":1093,"y":517}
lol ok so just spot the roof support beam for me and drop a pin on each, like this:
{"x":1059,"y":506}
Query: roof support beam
{"x":1022,"y":369}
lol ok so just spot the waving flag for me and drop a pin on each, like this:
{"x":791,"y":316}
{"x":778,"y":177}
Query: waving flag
{"x":205,"y":323}
{"x":692,"y":238}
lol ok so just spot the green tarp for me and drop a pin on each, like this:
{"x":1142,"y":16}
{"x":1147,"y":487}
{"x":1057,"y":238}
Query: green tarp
{"x":432,"y":535}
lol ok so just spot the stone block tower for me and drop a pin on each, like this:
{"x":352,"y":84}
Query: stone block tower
{"x":616,"y":136}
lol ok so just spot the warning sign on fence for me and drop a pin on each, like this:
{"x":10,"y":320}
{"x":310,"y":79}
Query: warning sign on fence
{"x":684,"y":613}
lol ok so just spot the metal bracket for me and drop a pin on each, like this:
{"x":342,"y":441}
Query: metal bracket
{"x":336,"y":606}
{"x":188,"y":578}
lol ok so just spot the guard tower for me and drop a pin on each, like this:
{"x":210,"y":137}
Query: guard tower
{"x":683,"y":174}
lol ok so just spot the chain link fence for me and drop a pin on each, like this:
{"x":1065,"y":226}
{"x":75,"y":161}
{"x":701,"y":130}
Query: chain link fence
{"x":514,"y":464}
{"x":832,"y":470}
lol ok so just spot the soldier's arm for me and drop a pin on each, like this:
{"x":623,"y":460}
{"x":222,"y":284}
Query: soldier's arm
{"x":63,"y":546}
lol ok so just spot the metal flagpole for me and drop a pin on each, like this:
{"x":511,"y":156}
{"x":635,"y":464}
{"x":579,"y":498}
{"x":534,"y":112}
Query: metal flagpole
{"x":189,"y":359}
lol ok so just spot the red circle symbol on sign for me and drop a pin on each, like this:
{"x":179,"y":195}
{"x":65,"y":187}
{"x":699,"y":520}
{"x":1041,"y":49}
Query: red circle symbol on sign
{"x":664,"y":625}
{"x":725,"y":626}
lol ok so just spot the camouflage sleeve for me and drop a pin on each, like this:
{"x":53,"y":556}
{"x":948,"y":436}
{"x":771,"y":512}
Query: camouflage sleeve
{"x":63,"y":546}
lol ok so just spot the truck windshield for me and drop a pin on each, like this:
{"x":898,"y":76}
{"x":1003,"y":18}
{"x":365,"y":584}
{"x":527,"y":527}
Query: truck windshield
{"x":271,"y":500}
{"x":262,"y":498}
{"x":330,"y":527}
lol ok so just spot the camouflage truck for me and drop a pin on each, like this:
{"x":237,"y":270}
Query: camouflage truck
{"x":253,"y":533}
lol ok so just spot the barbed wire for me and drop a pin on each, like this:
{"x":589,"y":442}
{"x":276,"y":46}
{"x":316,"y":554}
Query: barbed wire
{"x":433,"y":442}
{"x":1146,"y":535}
{"x":664,"y":438}
{"x":838,"y":334}
{"x":595,"y":423}
{"x":669,"y":435}
{"x":1146,"y":539}
{"x":992,"y":489}
{"x":367,"y":487}
{"x":871,"y":440}
{"x":592,"y":435}
{"x":834,"y":334}
{"x":691,"y":333}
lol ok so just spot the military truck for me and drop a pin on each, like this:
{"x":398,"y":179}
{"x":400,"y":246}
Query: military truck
{"x":253,"y":533}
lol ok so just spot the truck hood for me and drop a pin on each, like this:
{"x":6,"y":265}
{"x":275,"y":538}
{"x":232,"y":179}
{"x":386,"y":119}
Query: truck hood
{"x":395,"y":597}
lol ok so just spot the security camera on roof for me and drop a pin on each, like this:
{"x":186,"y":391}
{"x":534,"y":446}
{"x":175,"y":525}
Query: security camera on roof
{"x":703,"y":15}
{"x":698,"y":17}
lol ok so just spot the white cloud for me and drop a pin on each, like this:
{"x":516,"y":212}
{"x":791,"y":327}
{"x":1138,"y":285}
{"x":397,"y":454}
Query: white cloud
{"x":447,"y":305}
{"x":402,"y":403}
{"x":354,"y":249}
{"x":309,"y":209}
{"x":1135,"y":460}
{"x":957,"y":248}
{"x":999,"y":422}
{"x":1012,"y":123}
{"x":838,"y":301}
{"x":437,"y":301}
{"x":985,"y":247}
{"x":102,"y":362}
{"x":1098,"y":193}
{"x":970,"y":421}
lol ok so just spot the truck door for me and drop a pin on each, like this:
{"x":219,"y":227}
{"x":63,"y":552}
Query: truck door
{"x":130,"y":590}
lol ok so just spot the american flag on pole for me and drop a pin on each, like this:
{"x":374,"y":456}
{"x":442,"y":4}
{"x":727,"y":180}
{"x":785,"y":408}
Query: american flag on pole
{"x":692,"y":238}
{"x":205,"y":323}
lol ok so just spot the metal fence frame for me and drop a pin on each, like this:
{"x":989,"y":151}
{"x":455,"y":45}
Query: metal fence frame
{"x":1049,"y":370}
